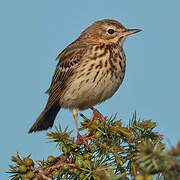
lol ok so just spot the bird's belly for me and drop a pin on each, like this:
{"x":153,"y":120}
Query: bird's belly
{"x":91,"y":89}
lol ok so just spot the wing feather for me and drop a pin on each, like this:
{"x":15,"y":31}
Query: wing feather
{"x":65,"y":68}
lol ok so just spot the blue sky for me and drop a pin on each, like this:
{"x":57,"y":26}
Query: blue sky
{"x":32,"y":33}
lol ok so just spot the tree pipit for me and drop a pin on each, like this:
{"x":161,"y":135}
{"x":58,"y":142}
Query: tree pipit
{"x":89,"y":71}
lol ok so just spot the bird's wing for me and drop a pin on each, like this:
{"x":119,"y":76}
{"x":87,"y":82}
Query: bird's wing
{"x":68,"y":58}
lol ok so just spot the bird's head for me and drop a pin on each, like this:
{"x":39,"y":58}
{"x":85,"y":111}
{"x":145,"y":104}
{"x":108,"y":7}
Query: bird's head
{"x":106,"y":31}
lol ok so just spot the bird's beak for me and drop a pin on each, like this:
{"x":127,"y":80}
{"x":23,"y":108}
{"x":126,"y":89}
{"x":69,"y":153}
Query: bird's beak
{"x":129,"y":31}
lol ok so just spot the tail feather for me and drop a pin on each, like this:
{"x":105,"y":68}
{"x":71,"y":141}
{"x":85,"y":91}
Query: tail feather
{"x":46,"y":118}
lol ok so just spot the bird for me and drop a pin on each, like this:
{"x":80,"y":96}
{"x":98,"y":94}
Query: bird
{"x":89,"y":71}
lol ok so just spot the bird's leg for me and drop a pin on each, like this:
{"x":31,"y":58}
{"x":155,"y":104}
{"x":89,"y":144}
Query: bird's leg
{"x":80,"y":139}
{"x":96,"y":114}
{"x":75,"y":115}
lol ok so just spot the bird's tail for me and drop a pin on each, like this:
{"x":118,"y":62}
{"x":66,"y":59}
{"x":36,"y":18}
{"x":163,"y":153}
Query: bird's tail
{"x":46,"y":118}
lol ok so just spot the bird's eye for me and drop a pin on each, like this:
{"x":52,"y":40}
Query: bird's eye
{"x":110,"y":31}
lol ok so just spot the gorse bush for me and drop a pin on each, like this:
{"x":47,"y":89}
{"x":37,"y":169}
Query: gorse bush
{"x":110,"y":150}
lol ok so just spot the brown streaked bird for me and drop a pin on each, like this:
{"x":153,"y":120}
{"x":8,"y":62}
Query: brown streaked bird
{"x":89,"y":71}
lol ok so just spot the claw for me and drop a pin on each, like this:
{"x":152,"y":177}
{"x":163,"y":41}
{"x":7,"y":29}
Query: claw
{"x":81,"y":140}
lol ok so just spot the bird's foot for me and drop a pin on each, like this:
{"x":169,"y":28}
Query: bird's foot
{"x":96,"y":114}
{"x":82,"y":139}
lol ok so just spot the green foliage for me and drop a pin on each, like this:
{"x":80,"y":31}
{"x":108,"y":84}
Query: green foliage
{"x":110,"y":150}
